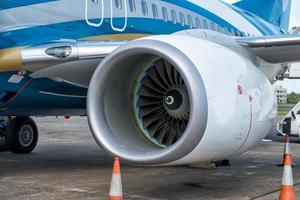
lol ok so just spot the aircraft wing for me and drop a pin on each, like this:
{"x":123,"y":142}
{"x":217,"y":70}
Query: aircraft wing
{"x":274,"y":49}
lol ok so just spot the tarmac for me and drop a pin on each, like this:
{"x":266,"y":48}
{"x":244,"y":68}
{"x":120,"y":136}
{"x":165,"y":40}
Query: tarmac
{"x":68,"y":164}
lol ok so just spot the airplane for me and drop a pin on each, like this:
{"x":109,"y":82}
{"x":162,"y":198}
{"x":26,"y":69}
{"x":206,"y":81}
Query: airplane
{"x":162,"y":82}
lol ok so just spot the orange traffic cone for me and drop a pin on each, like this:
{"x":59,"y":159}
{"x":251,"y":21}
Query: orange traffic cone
{"x":287,"y":191}
{"x":115,"y":192}
{"x":286,"y":143}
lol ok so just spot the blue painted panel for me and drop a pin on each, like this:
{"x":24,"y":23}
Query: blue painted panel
{"x":7,"y":4}
{"x":2,"y":94}
{"x":30,"y":101}
{"x":269,"y":10}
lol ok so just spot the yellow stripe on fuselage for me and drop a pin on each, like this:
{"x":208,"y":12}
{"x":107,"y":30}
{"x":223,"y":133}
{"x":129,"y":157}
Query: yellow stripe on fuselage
{"x":10,"y":59}
{"x":116,"y":37}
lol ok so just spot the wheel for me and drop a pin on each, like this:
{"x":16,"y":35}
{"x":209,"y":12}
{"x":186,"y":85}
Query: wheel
{"x":6,"y":140}
{"x":4,"y":146}
{"x":25,"y":135}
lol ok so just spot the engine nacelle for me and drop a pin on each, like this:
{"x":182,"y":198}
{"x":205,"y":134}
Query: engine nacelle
{"x":168,"y":100}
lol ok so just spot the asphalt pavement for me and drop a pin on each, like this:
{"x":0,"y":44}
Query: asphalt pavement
{"x":68,"y":164}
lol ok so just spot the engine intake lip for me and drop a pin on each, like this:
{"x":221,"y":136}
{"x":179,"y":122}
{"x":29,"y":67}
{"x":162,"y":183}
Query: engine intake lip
{"x":100,"y":124}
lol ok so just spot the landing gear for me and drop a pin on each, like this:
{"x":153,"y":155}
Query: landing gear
{"x":3,"y":142}
{"x":20,"y":135}
{"x":5,"y":139}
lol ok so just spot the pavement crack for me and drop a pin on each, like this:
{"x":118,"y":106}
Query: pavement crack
{"x":272,"y":192}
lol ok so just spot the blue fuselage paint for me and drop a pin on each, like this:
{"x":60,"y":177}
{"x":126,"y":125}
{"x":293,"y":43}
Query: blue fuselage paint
{"x":34,"y":96}
{"x":6,"y":4}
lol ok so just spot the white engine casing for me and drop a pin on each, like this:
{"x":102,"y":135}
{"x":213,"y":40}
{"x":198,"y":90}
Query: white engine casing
{"x":241,"y":105}
{"x":235,"y":122}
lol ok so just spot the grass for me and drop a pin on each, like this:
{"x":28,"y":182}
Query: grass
{"x":282,"y":112}
{"x":286,"y":105}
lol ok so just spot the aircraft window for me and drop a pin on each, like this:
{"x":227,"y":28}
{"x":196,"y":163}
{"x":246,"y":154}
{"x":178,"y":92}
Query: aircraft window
{"x":232,"y":32}
{"x":154,"y":11}
{"x":174,"y":16}
{"x":222,"y":30}
{"x":144,"y":8}
{"x":182,"y":19}
{"x":282,"y":31}
{"x":131,"y":4}
{"x":198,"y":22}
{"x":165,"y":14}
{"x":226,"y":31}
{"x":118,"y":4}
{"x":205,"y":24}
{"x":190,"y":21}
{"x":213,"y":27}
{"x":237,"y":33}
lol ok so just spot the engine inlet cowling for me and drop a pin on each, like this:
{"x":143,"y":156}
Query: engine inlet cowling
{"x":147,"y":103}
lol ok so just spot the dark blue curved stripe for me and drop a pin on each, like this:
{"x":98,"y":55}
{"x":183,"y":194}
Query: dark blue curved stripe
{"x":7,"y":4}
{"x":259,"y":23}
{"x":260,"y":26}
{"x":256,"y":21}
{"x":271,"y":11}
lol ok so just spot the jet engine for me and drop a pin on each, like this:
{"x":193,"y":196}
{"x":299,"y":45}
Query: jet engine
{"x":172,"y":99}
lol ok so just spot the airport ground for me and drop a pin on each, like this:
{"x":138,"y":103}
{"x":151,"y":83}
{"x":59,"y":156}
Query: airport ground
{"x":67,"y":164}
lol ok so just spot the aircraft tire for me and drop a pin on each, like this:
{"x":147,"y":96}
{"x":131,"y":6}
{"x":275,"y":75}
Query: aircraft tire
{"x":6,"y":139}
{"x":25,"y":134}
{"x":4,"y":144}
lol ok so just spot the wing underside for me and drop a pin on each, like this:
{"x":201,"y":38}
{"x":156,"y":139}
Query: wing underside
{"x":274,"y":49}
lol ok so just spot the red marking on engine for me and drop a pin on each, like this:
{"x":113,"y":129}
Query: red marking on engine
{"x":67,"y":117}
{"x":240,"y":89}
{"x":22,"y":72}
{"x":250,"y":98}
